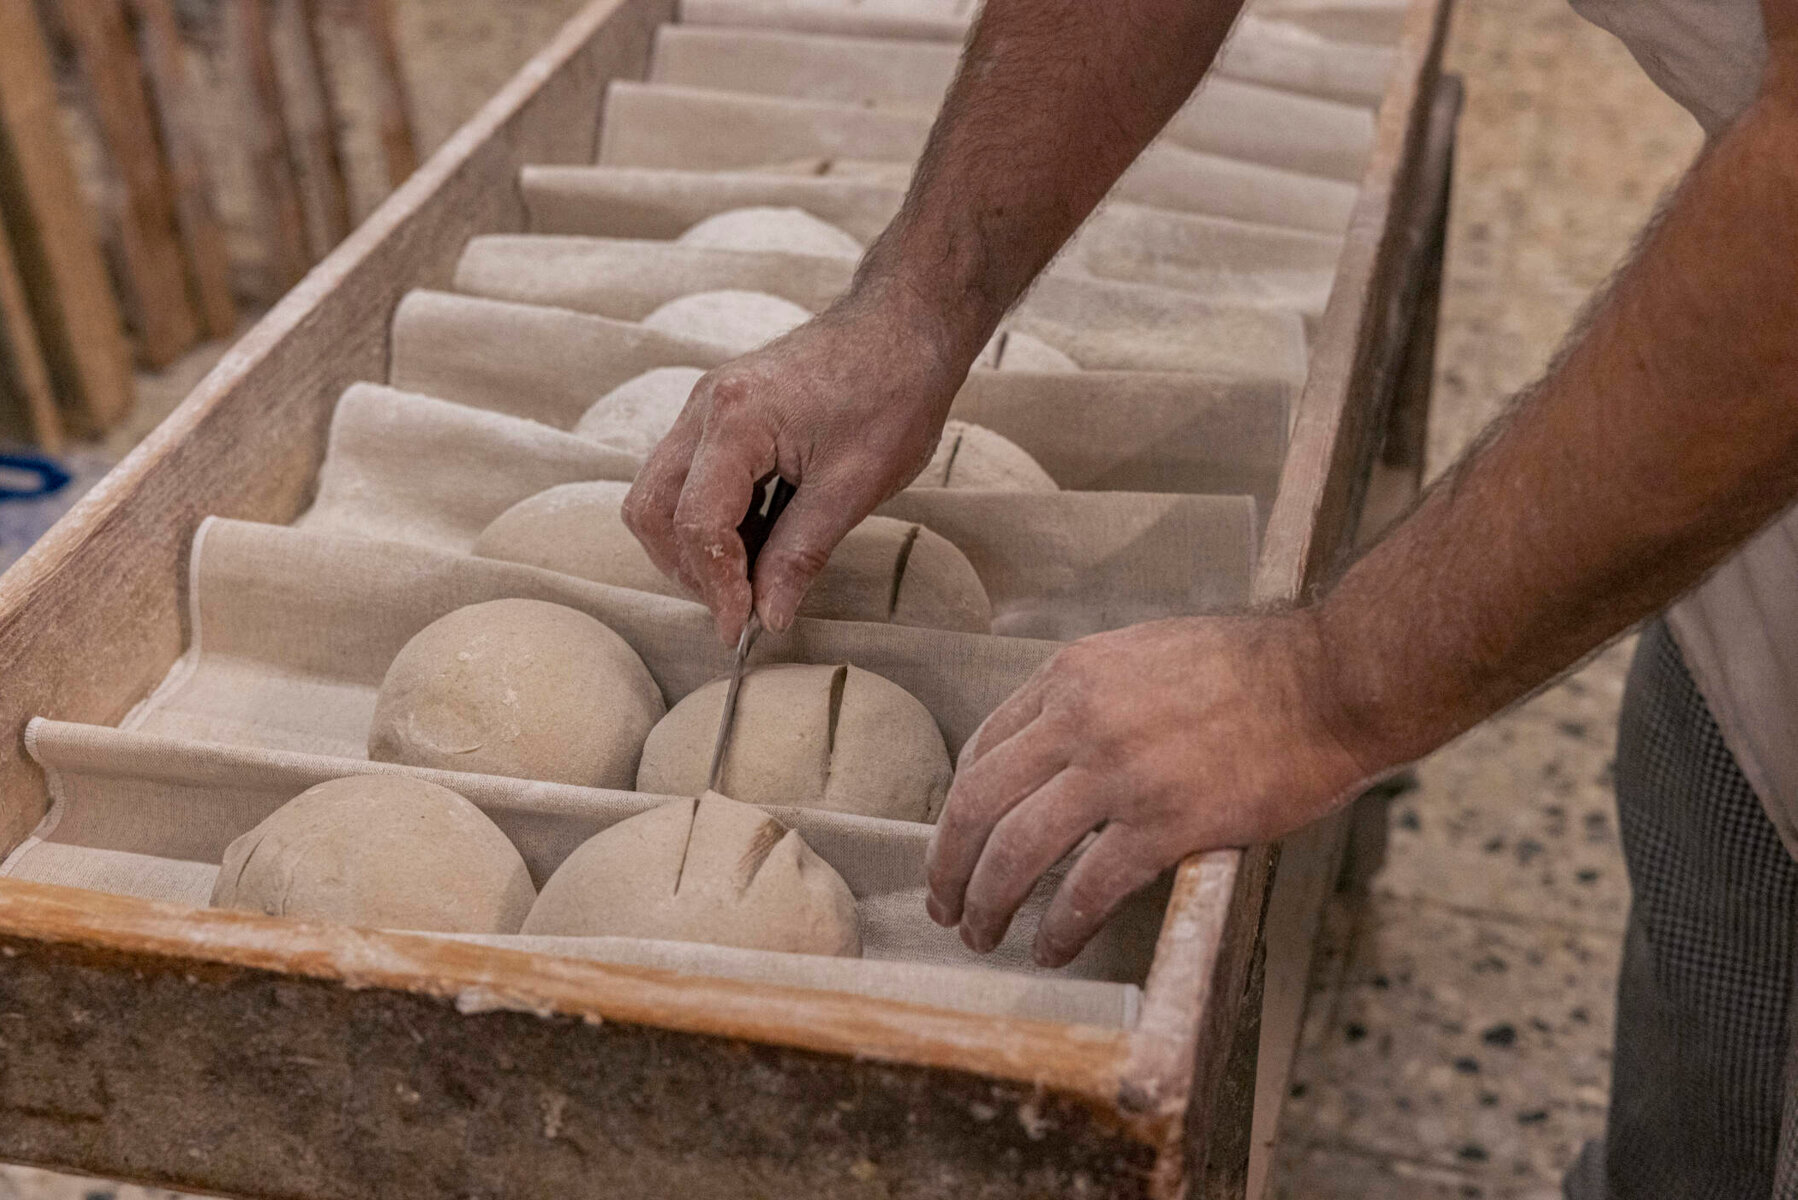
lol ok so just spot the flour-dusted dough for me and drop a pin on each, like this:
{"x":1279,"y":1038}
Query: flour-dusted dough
{"x":522,"y":688}
{"x":812,"y":736}
{"x":791,"y":230}
{"x":706,"y":870}
{"x":386,"y":851}
{"x":736,"y":320}
{"x":974,"y":458}
{"x":884,"y":570}
{"x":637,"y":414}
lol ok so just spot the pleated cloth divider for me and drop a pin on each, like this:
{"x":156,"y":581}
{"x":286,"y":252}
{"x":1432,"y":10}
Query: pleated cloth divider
{"x":1226,"y":117}
{"x":664,"y":202}
{"x":627,"y":279}
{"x":550,"y":359}
{"x":1134,"y":431}
{"x":150,"y":815}
{"x":655,"y":125}
{"x":1059,"y":565}
{"x":1353,"y":22}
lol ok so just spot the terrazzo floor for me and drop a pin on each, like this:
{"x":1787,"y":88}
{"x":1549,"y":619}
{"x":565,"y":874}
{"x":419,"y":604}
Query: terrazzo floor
{"x":1458,"y":1041}
{"x":1457,"y":1044}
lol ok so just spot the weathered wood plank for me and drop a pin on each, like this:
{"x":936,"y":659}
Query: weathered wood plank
{"x":202,"y":237}
{"x":53,"y":233}
{"x":230,"y":1052}
{"x":271,"y":147}
{"x":398,"y":142}
{"x":30,"y":374}
{"x":149,"y":245}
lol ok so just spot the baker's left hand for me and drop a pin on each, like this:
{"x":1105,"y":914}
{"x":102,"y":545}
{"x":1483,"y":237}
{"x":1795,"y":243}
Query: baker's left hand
{"x":1168,"y":738}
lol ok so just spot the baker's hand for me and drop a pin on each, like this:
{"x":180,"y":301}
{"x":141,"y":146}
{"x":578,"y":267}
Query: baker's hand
{"x":848,"y":408}
{"x":1168,"y":738}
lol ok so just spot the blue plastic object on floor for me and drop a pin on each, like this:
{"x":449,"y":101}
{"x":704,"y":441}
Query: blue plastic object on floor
{"x":35,"y":490}
{"x":28,"y":476}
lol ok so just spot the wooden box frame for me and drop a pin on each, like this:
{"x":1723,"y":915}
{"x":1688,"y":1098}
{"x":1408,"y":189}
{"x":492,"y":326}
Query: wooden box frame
{"x":226,"y":1052}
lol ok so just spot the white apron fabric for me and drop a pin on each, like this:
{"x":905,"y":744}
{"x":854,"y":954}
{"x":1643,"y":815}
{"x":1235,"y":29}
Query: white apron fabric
{"x":1738,"y":630}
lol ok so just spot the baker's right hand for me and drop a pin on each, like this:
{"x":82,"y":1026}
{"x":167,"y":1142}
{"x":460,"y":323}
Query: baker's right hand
{"x":847,"y":407}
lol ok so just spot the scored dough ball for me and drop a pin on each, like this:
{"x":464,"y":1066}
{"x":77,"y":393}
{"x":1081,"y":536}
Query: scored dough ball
{"x":883,"y":570}
{"x":812,"y":736}
{"x":636,"y":415}
{"x":705,"y":870}
{"x":385,"y":851}
{"x":1024,"y":352}
{"x":974,"y":458}
{"x":736,"y":320}
{"x":791,"y":230}
{"x":522,"y":688}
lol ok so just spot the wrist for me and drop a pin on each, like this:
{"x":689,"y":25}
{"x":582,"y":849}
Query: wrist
{"x":1369,"y":716}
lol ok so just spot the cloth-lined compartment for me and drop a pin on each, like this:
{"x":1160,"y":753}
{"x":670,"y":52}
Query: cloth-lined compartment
{"x":293,"y":630}
{"x":1055,"y":565}
{"x":664,"y":202}
{"x":150,"y":816}
{"x":629,"y":279}
{"x":1147,"y":431}
{"x":1225,"y":117}
{"x":540,"y":361}
{"x":1272,"y":43}
{"x":653,"y":125}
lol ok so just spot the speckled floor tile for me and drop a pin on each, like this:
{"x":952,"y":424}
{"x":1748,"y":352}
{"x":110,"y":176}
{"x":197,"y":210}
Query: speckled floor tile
{"x":1319,"y":1173}
{"x":1463,"y":1042}
{"x":1518,"y":817}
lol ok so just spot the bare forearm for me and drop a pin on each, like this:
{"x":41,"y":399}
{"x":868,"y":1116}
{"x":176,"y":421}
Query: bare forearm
{"x":1053,"y":101}
{"x":1667,"y":435}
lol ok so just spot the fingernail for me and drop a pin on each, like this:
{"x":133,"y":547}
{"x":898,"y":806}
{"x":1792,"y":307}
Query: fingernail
{"x":974,"y":941}
{"x":935,"y":910}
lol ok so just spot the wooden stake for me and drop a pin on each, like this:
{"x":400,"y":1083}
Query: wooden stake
{"x":30,"y":373}
{"x":398,"y":144}
{"x":155,"y":269}
{"x":53,"y":236}
{"x":208,"y":263}
{"x":271,"y":154}
{"x":322,"y":150}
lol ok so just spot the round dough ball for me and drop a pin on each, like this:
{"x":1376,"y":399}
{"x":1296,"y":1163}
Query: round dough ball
{"x":884,"y":570}
{"x":736,"y":320}
{"x":522,"y":688}
{"x":974,"y":458}
{"x":812,"y":736}
{"x":791,"y":230}
{"x":705,"y":870}
{"x":637,"y":414}
{"x":386,"y":851}
{"x":1025,"y":352}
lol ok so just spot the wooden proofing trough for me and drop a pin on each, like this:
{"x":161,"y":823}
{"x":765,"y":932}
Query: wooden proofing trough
{"x":220,"y":1051}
